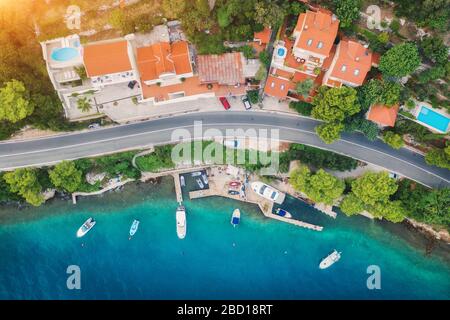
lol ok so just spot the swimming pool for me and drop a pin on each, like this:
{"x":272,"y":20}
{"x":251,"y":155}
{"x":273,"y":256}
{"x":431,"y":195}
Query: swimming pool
{"x":64,"y":54}
{"x":433,"y":119}
{"x":281,"y":52}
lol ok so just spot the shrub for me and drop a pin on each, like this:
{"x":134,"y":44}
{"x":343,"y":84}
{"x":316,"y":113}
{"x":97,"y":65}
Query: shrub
{"x":253,"y":96}
{"x":302,"y":107}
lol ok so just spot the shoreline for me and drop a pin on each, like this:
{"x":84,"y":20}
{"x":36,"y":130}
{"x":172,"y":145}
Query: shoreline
{"x":427,"y":232}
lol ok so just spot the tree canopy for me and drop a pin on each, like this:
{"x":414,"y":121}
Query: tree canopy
{"x":25,"y":183}
{"x":15,"y":103}
{"x":374,"y":187}
{"x":347,"y":11}
{"x":400,"y":60}
{"x":66,"y":176}
{"x":393,"y":139}
{"x":434,"y":49}
{"x":330,"y":132}
{"x":335,"y":104}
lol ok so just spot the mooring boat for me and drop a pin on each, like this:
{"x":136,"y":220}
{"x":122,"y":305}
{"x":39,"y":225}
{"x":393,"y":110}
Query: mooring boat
{"x":86,"y":227}
{"x":205,"y":178}
{"x":181,"y":222}
{"x":196,"y":174}
{"x":200,"y":183}
{"x":236,"y":217}
{"x":330,"y":259}
{"x":134,"y":227}
{"x":182,"y":182}
{"x":283,"y":213}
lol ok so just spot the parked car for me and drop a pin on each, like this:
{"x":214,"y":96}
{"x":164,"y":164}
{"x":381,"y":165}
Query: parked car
{"x":94,"y":125}
{"x":131,"y":84}
{"x":393,"y":175}
{"x":225,"y":103}
{"x":231,"y":143}
{"x":246,"y":102}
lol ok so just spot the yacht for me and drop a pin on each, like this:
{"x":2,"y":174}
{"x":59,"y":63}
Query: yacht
{"x":268,"y":192}
{"x":86,"y":227}
{"x":330,"y":259}
{"x":182,"y":182}
{"x":283,"y":213}
{"x":181,"y":221}
{"x":196,"y":174}
{"x":200,"y":183}
{"x":236,"y":217}
{"x":134,"y":227}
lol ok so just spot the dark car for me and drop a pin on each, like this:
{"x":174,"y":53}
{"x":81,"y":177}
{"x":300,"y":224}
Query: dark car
{"x":131,"y":84}
{"x":246,"y":102}
{"x":225,"y":103}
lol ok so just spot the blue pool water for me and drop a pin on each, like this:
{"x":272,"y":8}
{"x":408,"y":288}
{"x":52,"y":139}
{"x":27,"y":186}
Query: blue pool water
{"x":433,"y":119}
{"x":281,"y":52}
{"x":64,"y":54}
{"x":261,"y":258}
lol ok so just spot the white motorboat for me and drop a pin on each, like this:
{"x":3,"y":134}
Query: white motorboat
{"x":236,"y":217}
{"x":134,"y":227}
{"x":181,"y":222}
{"x":196,"y":174}
{"x":200,"y":183}
{"x":182,"y":182}
{"x":330,"y":259}
{"x":205,"y":178}
{"x":268,"y":192}
{"x":86,"y":227}
{"x":283,"y":213}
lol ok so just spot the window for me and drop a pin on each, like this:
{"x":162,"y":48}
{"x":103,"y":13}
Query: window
{"x":309,"y":43}
{"x":272,"y":85}
{"x":320,"y":45}
{"x":343,"y":68}
{"x":282,"y":87}
{"x":274,"y":195}
{"x":356,"y":72}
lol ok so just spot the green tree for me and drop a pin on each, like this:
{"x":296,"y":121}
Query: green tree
{"x":393,"y":211}
{"x":66,"y":176}
{"x":330,"y":132}
{"x":434,"y":49}
{"x":432,"y":74}
{"x":393,"y":139}
{"x":335,"y":104}
{"x":347,"y":11}
{"x":351,"y":205}
{"x":25,"y":183}
{"x":400,"y":60}
{"x":15,"y":102}
{"x":373,"y":188}
{"x":83,"y":104}
{"x":324,"y":188}
{"x":303,"y":88}
{"x":173,"y":9}
{"x":299,"y":178}
{"x":269,"y":13}
{"x":378,"y":91}
{"x":265,"y":58}
{"x":439,"y":157}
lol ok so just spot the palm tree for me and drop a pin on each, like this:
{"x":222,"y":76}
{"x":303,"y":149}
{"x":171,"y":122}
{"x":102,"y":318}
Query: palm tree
{"x":303,"y":88}
{"x":83,"y":104}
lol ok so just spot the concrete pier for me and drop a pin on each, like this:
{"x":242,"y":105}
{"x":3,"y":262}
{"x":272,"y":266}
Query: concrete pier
{"x":178,"y":192}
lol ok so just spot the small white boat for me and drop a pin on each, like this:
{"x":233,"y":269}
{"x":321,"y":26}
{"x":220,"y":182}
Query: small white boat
{"x":236,"y":217}
{"x":330,"y":260}
{"x":86,"y":227}
{"x":196,"y":174}
{"x":200,"y":183}
{"x":181,"y":222}
{"x":205,"y":178}
{"x":283,"y":213}
{"x":134,"y":227}
{"x":182,"y":182}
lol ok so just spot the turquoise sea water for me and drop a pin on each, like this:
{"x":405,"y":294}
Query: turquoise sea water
{"x":261,"y":258}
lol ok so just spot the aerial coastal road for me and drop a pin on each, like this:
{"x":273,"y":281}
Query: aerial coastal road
{"x":15,"y":154}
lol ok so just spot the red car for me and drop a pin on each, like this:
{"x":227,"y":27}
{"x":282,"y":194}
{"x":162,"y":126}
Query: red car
{"x":225,"y":103}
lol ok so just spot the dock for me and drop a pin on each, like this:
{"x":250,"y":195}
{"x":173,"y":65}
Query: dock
{"x":178,"y":192}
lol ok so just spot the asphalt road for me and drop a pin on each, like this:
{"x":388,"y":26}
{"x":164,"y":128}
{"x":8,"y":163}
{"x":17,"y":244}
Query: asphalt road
{"x":154,"y":132}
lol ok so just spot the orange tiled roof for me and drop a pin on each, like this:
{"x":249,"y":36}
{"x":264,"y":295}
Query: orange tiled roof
{"x":263,"y":36}
{"x":319,"y":27}
{"x":224,"y":69}
{"x":383,"y":115}
{"x":162,"y":57}
{"x":352,"y":62}
{"x":106,"y":58}
{"x":278,"y":87}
